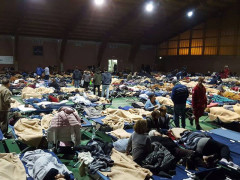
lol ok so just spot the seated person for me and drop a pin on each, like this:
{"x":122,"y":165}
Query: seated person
{"x":159,"y":120}
{"x":151,"y":103}
{"x":54,"y":84}
{"x":139,"y":143}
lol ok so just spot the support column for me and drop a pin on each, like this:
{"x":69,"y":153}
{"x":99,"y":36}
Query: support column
{"x":15,"y":52}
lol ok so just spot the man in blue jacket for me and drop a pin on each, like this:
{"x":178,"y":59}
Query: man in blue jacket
{"x":106,"y":81}
{"x":179,"y":97}
{"x":77,"y":76}
{"x":39,"y":71}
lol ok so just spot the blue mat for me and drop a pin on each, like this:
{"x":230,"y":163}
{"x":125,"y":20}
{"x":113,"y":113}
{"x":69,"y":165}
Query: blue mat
{"x":54,"y":155}
{"x":87,"y":123}
{"x":233,"y":146}
{"x":99,"y":120}
{"x":227,"y":134}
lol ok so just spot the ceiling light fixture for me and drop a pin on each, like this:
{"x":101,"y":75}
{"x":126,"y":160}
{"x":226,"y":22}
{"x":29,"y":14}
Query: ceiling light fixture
{"x":149,"y":7}
{"x":190,"y":13}
{"x":99,"y":2}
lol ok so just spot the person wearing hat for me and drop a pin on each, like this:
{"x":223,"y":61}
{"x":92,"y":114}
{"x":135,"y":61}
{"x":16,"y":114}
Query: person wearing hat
{"x":5,"y":103}
{"x":97,"y":79}
{"x":151,"y":103}
{"x":179,"y":97}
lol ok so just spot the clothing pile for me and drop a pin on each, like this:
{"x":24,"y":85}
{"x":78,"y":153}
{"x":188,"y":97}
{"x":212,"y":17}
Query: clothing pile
{"x":100,"y":155}
{"x":160,"y":161}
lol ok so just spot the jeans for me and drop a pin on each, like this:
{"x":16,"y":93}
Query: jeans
{"x":94,"y":89}
{"x":105,"y":88}
{"x":85,"y":85}
{"x":46,"y":77}
{"x":179,"y":110}
{"x":76,"y":83}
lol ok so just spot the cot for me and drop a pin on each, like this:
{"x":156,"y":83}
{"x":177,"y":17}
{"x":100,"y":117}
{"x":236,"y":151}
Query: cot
{"x":53,"y":154}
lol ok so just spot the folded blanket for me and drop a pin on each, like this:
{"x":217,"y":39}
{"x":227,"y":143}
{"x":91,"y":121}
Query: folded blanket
{"x":224,"y":115}
{"x":46,"y":121}
{"x":11,"y":167}
{"x":71,"y":89}
{"x":29,"y":131}
{"x":177,"y":131}
{"x":125,"y":168}
{"x":120,"y":134}
{"x":15,"y":104}
{"x":165,"y":101}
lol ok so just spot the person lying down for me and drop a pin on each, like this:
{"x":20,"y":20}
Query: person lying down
{"x":160,"y":154}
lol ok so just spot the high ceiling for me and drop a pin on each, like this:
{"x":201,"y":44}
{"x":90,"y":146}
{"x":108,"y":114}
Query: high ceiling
{"x":116,"y":21}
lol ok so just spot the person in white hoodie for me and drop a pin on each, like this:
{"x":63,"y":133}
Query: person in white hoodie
{"x":47,"y":73}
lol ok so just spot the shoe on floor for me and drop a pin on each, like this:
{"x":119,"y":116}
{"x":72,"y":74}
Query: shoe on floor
{"x":191,"y":121}
{"x":8,"y":136}
{"x":198,"y":127}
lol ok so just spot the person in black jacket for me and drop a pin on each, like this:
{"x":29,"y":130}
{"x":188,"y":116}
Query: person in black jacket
{"x":179,"y":97}
{"x":77,"y":76}
{"x":54,"y":84}
{"x":159,"y":120}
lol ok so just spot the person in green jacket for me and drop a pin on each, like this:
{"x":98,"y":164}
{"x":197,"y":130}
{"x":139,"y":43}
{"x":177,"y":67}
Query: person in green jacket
{"x":5,"y":103}
{"x":97,"y":80}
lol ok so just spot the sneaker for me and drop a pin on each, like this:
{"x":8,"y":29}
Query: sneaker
{"x":198,"y":127}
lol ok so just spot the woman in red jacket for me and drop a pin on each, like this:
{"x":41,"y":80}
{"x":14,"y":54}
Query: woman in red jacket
{"x":199,"y":101}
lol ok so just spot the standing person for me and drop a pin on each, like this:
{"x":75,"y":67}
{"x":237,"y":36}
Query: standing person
{"x":87,"y":79}
{"x":106,"y":81}
{"x":46,"y":72}
{"x":97,"y":79}
{"x":199,"y":101}
{"x":5,"y":101}
{"x":129,"y":77}
{"x":77,"y":76}
{"x":39,"y":71}
{"x":179,"y":97}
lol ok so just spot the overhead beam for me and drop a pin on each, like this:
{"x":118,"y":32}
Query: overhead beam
{"x":137,"y":42}
{"x":82,"y":12}
{"x":170,"y":19}
{"x":133,"y":53}
{"x":123,"y":22}
{"x":22,"y":10}
{"x":15,"y":52}
{"x":216,"y":13}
